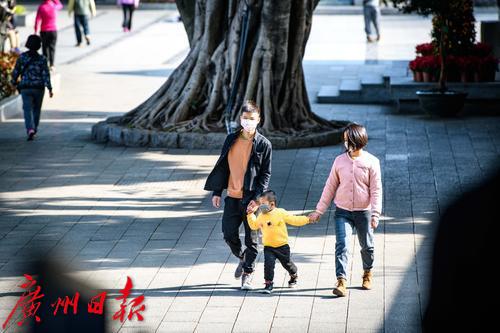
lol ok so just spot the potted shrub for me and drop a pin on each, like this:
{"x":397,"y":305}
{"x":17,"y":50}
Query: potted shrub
{"x":430,"y":68}
{"x":442,"y":101}
{"x":484,"y":63}
{"x":453,"y":33}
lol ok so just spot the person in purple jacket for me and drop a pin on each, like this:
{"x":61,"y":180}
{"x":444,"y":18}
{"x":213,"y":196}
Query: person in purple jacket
{"x":128,"y":7}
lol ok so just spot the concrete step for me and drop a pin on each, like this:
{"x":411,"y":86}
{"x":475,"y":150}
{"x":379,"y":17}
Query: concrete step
{"x":372,"y":80}
{"x":327,"y":94}
{"x":350,"y":85}
{"x":400,"y":89}
{"x":371,"y":88}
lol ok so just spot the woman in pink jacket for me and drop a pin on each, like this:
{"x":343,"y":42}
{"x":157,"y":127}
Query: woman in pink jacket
{"x":355,"y":185}
{"x":46,"y":24}
{"x":128,"y":7}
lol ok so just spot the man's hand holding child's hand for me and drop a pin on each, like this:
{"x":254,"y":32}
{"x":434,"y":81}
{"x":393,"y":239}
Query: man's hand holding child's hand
{"x":252,"y":208}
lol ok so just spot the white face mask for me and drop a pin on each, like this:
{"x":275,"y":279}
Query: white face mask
{"x":249,"y":125}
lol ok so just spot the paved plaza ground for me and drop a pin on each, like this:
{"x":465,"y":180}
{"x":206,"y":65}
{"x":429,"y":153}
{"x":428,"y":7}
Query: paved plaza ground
{"x":107,"y":212}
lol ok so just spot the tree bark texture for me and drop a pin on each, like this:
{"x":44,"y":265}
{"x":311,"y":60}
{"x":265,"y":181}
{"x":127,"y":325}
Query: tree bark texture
{"x":194,"y":97}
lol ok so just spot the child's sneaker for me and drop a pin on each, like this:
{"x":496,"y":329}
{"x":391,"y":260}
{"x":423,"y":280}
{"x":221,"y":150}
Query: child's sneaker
{"x":268,"y":289}
{"x":246,"y":281}
{"x":293,"y":281}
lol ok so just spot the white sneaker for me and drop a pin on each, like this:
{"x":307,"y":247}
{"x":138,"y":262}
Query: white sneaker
{"x":246,"y":281}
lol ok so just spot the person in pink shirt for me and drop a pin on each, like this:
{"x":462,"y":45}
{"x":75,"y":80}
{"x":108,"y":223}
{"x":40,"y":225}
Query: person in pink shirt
{"x":46,"y":24}
{"x":355,"y":185}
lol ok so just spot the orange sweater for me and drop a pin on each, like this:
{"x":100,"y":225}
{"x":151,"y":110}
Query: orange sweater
{"x":238,"y":161}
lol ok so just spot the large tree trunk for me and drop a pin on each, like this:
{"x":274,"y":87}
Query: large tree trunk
{"x":196,"y":94}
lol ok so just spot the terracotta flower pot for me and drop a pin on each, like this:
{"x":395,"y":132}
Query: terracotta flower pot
{"x":417,"y":76}
{"x":427,"y":77}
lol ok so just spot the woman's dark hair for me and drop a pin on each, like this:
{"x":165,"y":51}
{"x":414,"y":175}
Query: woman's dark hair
{"x":357,"y":137}
{"x":33,"y":43}
{"x":250,"y":106}
{"x":269,"y":195}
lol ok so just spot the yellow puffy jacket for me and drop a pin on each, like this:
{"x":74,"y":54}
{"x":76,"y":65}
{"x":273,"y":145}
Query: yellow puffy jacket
{"x":273,"y":225}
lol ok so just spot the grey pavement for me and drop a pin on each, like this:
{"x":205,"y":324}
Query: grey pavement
{"x":107,"y":212}
{"x":105,"y":30}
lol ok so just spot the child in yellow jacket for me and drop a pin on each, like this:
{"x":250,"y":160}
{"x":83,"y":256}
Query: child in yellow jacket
{"x":272,"y":222}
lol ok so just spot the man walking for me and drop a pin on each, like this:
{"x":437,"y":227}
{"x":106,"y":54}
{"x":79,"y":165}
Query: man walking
{"x":83,"y":9}
{"x":244,"y":170}
{"x":371,"y":12}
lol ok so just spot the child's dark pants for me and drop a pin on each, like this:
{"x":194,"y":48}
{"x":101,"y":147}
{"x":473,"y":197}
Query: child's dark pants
{"x":281,"y":253}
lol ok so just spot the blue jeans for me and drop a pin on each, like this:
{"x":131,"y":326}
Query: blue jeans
{"x":372,"y":16}
{"x":32,"y":106}
{"x":345,"y":222}
{"x":83,"y":22}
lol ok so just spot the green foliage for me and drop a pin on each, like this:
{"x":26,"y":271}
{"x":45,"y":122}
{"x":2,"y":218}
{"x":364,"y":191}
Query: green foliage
{"x":422,"y":7}
{"x":457,"y":27}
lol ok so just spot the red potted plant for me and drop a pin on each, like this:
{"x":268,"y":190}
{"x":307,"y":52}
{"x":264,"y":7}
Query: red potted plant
{"x":453,"y":29}
{"x":425,"y":49}
{"x":416,"y":67}
{"x":430,"y":66}
{"x":482,"y":49}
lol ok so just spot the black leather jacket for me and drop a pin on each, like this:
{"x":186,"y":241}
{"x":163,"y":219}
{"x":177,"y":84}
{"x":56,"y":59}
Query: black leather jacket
{"x":258,"y":171}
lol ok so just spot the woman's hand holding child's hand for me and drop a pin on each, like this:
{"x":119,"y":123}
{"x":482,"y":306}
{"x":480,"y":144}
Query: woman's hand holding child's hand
{"x":314,"y":217}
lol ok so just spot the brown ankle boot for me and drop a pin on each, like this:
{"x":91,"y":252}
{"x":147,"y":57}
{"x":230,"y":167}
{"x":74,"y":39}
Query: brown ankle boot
{"x":367,"y":280}
{"x":341,"y":288}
